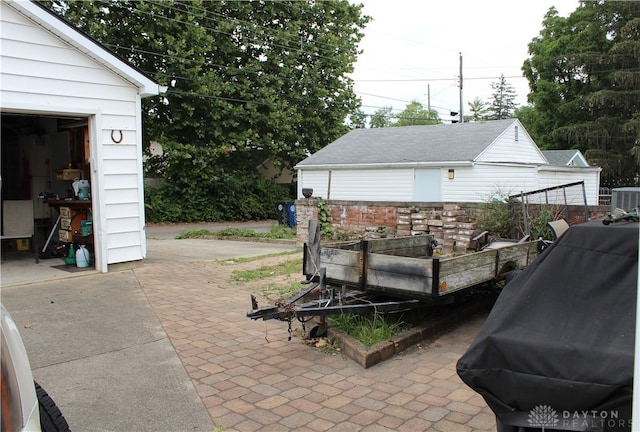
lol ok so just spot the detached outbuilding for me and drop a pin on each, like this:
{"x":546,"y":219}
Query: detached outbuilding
{"x":71,"y":110}
{"x":468,"y":162}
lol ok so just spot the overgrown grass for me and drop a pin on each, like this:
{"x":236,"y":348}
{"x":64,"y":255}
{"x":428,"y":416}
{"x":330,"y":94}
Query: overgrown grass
{"x":277,"y":232}
{"x":369,"y":329}
{"x":282,"y":290}
{"x":240,"y":260}
{"x":285,"y":268}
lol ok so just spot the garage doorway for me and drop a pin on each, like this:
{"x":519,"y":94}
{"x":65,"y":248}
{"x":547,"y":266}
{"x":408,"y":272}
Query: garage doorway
{"x":45,"y":160}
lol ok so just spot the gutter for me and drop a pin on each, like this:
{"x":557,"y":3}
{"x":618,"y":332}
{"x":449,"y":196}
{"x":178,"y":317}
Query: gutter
{"x":568,"y":168}
{"x":442,"y":164}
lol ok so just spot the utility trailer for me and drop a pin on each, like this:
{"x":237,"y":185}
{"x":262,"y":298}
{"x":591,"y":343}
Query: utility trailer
{"x":391,"y":274}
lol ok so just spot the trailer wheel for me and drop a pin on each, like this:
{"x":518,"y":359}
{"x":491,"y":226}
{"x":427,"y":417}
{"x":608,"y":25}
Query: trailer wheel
{"x":317,"y":331}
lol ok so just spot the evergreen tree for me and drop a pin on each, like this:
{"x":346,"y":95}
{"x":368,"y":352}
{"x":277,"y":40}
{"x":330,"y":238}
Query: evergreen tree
{"x":502,"y":104}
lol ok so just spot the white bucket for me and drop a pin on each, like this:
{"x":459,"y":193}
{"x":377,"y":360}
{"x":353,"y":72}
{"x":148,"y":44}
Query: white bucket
{"x":83,"y":256}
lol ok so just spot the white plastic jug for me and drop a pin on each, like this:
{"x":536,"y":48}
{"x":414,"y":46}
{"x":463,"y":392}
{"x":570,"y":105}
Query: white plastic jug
{"x":83,"y":256}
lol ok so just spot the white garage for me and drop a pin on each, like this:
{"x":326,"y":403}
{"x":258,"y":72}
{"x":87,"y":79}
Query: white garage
{"x":71,"y":111}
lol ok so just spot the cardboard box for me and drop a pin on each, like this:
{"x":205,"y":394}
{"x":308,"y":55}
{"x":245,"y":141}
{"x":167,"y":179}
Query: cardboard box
{"x":64,"y":235}
{"x":65,"y":223}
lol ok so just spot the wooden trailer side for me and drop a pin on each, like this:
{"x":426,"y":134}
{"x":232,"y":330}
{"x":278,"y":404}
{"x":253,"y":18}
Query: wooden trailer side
{"x":403,"y":275}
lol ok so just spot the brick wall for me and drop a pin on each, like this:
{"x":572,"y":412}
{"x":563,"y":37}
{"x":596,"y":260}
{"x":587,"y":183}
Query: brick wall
{"x":452,"y":224}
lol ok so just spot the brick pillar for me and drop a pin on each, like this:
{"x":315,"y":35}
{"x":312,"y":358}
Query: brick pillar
{"x":306,"y":210}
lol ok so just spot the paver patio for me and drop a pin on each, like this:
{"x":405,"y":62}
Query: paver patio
{"x":251,"y":378}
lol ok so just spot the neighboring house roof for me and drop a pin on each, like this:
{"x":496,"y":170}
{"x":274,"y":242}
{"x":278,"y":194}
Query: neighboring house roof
{"x":565,"y":158}
{"x":48,"y":20}
{"x":442,"y":143}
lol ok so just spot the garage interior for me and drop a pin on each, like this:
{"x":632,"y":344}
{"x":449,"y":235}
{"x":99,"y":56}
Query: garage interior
{"x":44,"y":179}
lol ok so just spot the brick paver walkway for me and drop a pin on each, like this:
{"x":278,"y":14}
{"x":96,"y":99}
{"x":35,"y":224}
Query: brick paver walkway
{"x":251,"y":378}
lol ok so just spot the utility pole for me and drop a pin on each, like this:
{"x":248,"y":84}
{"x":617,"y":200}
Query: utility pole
{"x":461,"y":116}
{"x":428,"y":97}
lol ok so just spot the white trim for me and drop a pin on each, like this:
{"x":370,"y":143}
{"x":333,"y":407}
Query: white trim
{"x":97,"y":180}
{"x":578,"y":155}
{"x":385,"y":165}
{"x":572,"y":168}
{"x":142,"y":227}
{"x":85,"y":45}
{"x":51,"y":110}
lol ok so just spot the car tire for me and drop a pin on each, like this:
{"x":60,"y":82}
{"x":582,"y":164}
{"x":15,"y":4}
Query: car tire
{"x":51,"y":419}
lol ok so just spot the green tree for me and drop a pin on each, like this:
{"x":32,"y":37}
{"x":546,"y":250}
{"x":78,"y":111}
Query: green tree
{"x":358,"y":120}
{"x":382,"y":118}
{"x":502,"y":104}
{"x":478,"y":109}
{"x":415,"y":114}
{"x":584,"y":74}
{"x":248,"y":81}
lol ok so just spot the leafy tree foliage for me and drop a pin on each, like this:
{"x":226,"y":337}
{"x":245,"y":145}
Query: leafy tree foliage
{"x":416,"y":114}
{"x":358,"y":120}
{"x":382,"y":118}
{"x":502,"y":105}
{"x":248,"y":81}
{"x":584,"y":74}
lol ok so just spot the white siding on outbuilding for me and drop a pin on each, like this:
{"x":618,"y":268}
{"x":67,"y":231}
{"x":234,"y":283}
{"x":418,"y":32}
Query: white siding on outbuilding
{"x":43,"y":74}
{"x":483,"y":182}
{"x":471,"y":162}
{"x":514,"y":145}
{"x":574,"y":195}
{"x":362,"y":185}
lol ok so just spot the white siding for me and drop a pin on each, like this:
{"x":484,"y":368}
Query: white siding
{"x":318,"y":180}
{"x":482,"y":182}
{"x":362,"y":184}
{"x":42,"y":74}
{"x":574,"y":195}
{"x":507,"y":149}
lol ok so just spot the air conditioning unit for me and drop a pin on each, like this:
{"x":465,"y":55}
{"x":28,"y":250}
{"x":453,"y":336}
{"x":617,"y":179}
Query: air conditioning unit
{"x":626,"y":198}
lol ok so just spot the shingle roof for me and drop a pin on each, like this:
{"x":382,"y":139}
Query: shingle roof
{"x":435,"y":143}
{"x":559,"y":157}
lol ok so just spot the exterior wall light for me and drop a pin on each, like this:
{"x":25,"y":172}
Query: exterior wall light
{"x":451,"y":174}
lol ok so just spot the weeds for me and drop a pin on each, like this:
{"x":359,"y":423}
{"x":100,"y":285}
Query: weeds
{"x":232,"y":261}
{"x":262,"y":272}
{"x":281,"y":290}
{"x":369,"y":329}
{"x":277,"y":232}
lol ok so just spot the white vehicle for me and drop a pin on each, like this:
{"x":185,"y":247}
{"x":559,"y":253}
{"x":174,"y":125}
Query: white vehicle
{"x":26,"y":407}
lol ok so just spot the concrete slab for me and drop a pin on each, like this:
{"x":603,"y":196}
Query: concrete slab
{"x":96,"y":346}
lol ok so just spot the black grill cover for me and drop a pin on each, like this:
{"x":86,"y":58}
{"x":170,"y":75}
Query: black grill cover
{"x":561,"y":335}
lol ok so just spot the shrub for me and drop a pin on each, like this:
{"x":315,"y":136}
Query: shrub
{"x":233,"y":197}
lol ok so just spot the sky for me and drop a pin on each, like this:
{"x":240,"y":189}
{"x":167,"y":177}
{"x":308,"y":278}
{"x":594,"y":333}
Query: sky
{"x":412,"y":49}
